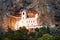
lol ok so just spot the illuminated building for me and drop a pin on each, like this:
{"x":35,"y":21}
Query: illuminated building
{"x":28,"y":20}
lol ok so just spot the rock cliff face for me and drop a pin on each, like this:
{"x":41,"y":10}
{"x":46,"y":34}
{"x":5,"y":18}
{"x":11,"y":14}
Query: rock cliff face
{"x":48,"y":10}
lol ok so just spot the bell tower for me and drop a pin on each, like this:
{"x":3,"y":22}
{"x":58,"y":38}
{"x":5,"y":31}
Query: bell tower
{"x":24,"y":14}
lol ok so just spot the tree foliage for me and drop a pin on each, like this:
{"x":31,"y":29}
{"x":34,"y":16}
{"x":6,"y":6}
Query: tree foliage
{"x":46,"y":37}
{"x":22,"y":34}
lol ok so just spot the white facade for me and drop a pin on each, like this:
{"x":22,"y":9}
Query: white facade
{"x":27,"y":22}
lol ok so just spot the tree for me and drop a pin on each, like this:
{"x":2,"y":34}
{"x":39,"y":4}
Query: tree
{"x":43,"y":30}
{"x":57,"y":37}
{"x":20,"y":34}
{"x":47,"y":37}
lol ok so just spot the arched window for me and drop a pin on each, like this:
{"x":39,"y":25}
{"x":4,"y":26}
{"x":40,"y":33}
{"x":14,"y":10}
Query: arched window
{"x":23,"y":13}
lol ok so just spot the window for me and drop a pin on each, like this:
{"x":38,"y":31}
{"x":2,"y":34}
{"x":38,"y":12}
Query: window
{"x":23,"y":13}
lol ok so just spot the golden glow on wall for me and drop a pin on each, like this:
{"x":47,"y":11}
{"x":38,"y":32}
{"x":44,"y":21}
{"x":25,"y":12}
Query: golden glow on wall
{"x":30,"y":14}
